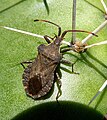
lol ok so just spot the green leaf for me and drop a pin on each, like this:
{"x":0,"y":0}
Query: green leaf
{"x":16,"y":48}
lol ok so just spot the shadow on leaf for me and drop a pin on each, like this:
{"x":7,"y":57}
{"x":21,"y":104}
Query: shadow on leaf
{"x":92,"y":65}
{"x":65,"y":110}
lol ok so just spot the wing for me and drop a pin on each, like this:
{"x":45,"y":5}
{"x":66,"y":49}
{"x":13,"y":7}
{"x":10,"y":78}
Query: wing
{"x":38,"y":77}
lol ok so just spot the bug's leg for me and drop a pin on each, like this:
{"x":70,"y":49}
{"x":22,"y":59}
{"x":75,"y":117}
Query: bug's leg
{"x":71,"y":64}
{"x":59,"y":84}
{"x":48,"y":39}
{"x":25,"y":62}
{"x":66,"y":62}
{"x":65,"y":50}
{"x":73,"y":68}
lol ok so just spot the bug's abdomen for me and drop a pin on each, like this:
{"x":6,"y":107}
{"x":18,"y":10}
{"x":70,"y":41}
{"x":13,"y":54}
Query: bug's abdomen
{"x":37,"y":85}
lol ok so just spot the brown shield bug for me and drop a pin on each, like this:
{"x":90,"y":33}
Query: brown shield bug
{"x":39,"y":75}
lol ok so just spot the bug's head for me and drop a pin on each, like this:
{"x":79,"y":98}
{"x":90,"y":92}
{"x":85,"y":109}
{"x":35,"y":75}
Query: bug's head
{"x":77,"y":46}
{"x":58,"y":40}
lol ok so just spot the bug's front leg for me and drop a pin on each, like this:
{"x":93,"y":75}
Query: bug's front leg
{"x":48,"y":38}
{"x":25,"y":62}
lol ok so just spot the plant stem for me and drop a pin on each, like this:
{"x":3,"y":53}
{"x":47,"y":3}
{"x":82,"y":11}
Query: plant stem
{"x":99,"y":28}
{"x":96,"y":44}
{"x":23,"y":32}
{"x":104,"y":5}
{"x":73,"y":21}
{"x":100,"y":90}
{"x":29,"y":33}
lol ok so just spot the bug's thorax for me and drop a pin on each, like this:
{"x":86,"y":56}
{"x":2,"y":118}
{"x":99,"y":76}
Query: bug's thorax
{"x":55,"y":47}
{"x":52,"y":50}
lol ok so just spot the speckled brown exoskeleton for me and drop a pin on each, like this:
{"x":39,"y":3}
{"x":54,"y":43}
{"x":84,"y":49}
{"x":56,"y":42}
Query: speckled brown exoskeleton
{"x":39,"y":75}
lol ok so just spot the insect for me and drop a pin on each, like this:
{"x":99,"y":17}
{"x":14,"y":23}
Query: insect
{"x":39,"y":75}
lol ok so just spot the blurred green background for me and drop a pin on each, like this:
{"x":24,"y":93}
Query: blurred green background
{"x":16,"y":48}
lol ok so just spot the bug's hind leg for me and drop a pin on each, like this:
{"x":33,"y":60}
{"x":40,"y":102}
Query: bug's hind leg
{"x":59,"y":84}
